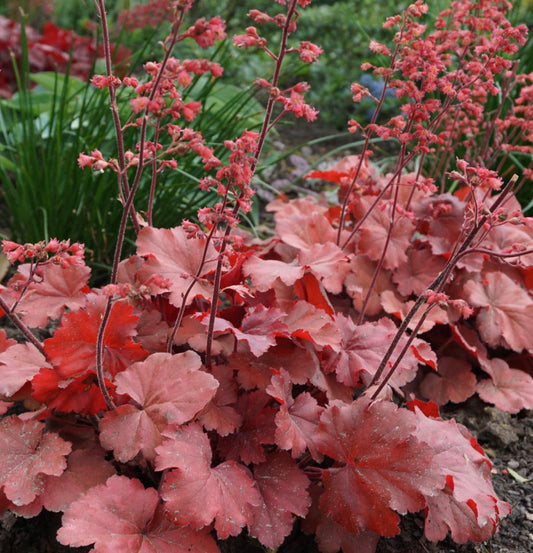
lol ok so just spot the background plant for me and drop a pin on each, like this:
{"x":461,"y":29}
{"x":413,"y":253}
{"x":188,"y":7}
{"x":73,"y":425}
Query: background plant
{"x":44,"y":128}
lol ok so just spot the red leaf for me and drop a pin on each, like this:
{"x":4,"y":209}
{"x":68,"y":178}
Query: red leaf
{"x":375,"y":231}
{"x":453,"y":382}
{"x":310,"y":289}
{"x":260,"y":326}
{"x":18,"y":365}
{"x":330,"y":536}
{"x":459,"y":459}
{"x":72,"y":349}
{"x":383,"y":467}
{"x":174,"y":257}
{"x":283,"y":490}
{"x":196,"y":494}
{"x":86,"y":468}
{"x":506,"y":311}
{"x":363,"y":347}
{"x":5,"y":342}
{"x":331,"y":176}
{"x":257,"y":429}
{"x":26,"y":455}
{"x":508,"y":389}
{"x":121,"y":515}
{"x":81,"y":395}
{"x":297,"y":420}
{"x":166,"y":389}
{"x":58,"y":287}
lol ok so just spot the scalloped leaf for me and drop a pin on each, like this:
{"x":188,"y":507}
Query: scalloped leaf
{"x":195,"y":494}
{"x":283,"y":490}
{"x":72,"y":349}
{"x":166,"y":389}
{"x":19,"y":363}
{"x":121,"y":515}
{"x":375,"y":449}
{"x":27,"y":453}
{"x":174,"y":257}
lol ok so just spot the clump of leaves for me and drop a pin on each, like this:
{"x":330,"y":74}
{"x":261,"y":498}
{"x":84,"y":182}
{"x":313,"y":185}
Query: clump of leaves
{"x":223,"y":383}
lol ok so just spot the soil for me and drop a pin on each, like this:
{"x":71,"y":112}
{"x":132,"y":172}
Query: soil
{"x":506,"y":439}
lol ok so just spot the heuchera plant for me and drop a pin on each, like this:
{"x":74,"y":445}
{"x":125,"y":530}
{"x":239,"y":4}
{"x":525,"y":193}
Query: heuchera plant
{"x":222,"y":383}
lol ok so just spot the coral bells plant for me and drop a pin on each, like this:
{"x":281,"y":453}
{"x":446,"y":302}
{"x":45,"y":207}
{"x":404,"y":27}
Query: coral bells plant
{"x":222,"y":384}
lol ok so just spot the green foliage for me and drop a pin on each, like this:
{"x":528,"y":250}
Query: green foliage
{"x":43,"y":130}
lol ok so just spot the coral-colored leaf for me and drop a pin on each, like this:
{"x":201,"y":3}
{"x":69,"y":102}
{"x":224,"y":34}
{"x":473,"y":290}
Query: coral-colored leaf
{"x":86,"y":468}
{"x":174,"y":257}
{"x":506,"y":310}
{"x":453,"y":382}
{"x":445,"y":513}
{"x":508,"y":389}
{"x":166,"y":389}
{"x":383,"y":468}
{"x":264,"y":272}
{"x":219,"y":415}
{"x":375,"y":231}
{"x":297,"y":419}
{"x":306,"y":321}
{"x":5,"y":342}
{"x":419,"y":272}
{"x":58,"y":287}
{"x":121,"y":515}
{"x":446,"y":215}
{"x":328,"y":263}
{"x":363,"y":347}
{"x":399,"y":308}
{"x":72,"y":349}
{"x":18,"y":365}
{"x":358,"y":283}
{"x":304,"y":225}
{"x":258,"y":428}
{"x":27,"y":453}
{"x":283,"y":490}
{"x":458,"y":458}
{"x":196,"y":494}
{"x":259,"y":328}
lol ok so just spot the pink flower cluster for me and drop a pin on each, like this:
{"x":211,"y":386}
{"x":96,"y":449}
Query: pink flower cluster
{"x":54,"y":251}
{"x":291,"y":99}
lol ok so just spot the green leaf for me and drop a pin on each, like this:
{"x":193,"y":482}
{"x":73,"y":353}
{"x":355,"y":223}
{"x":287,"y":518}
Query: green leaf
{"x":56,"y":81}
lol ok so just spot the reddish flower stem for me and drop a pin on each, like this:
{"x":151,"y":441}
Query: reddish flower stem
{"x":262,"y":136}
{"x":131,"y":194}
{"x":436,"y":286}
{"x":15,"y":319}
{"x":119,"y":134}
